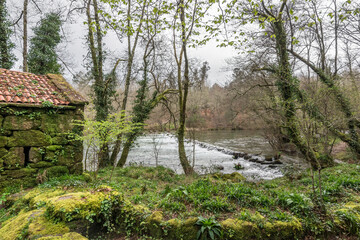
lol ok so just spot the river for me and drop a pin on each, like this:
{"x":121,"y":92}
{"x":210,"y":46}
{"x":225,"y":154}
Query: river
{"x":211,"y":153}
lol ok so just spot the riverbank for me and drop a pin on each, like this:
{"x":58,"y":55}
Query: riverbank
{"x":143,"y":202}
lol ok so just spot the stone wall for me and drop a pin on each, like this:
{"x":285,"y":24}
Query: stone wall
{"x":34,"y":140}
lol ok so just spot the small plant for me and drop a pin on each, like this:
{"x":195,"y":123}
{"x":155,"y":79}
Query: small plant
{"x":3,"y":198}
{"x":210,"y":229}
{"x":47,"y":104}
{"x":238,"y":166}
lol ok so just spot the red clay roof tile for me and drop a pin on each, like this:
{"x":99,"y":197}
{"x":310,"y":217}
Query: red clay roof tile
{"x":21,"y":87}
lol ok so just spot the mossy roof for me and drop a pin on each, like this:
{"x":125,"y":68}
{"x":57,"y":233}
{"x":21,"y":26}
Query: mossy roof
{"x":31,"y":89}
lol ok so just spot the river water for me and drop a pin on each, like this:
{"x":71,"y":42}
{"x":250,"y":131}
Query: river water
{"x":211,"y":153}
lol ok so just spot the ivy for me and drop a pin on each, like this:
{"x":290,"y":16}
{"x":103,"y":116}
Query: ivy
{"x":42,"y":53}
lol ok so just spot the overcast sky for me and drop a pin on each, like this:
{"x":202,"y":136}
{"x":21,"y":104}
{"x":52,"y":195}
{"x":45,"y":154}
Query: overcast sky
{"x":75,"y":50}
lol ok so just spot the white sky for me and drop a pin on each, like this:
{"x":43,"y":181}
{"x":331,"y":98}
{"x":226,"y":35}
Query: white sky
{"x":75,"y":50}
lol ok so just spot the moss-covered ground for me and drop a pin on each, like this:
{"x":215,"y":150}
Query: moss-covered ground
{"x":155,"y":203}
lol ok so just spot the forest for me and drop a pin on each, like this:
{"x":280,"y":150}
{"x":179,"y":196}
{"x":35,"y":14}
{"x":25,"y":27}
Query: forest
{"x":170,"y":147}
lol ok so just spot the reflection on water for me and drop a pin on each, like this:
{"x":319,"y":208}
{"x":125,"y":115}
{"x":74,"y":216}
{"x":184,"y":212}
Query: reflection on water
{"x":165,"y":147}
{"x":249,"y":141}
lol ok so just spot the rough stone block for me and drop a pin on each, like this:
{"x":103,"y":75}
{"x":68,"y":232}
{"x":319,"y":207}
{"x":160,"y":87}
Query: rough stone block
{"x":56,"y":123}
{"x":60,"y":139}
{"x":41,"y":164}
{"x":14,"y":159}
{"x":53,"y":148}
{"x":4,"y":132}
{"x":57,"y":171}
{"x":69,"y":156}
{"x":36,"y":154}
{"x":31,"y":138}
{"x":3,"y":141}
{"x":20,"y":123}
{"x":3,"y":152}
{"x":20,"y":173}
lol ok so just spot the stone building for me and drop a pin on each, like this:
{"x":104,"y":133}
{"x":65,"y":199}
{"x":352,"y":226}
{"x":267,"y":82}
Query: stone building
{"x":36,"y":114}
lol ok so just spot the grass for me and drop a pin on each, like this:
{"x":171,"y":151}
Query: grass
{"x":211,"y":196}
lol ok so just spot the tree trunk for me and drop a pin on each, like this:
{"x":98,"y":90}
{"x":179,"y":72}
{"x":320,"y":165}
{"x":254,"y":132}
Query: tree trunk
{"x":101,"y":104}
{"x":131,"y":53}
{"x":25,"y":36}
{"x":287,"y":86}
{"x":183,"y":93}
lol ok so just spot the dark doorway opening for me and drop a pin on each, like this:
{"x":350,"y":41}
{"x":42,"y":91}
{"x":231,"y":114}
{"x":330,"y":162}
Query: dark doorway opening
{"x":27,"y":156}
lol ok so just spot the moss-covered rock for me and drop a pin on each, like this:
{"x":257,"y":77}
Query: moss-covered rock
{"x":348,"y":218}
{"x":39,"y":197}
{"x":16,"y":227}
{"x":60,"y":139}
{"x":69,"y":155}
{"x":31,"y":138}
{"x":41,"y":164}
{"x":54,"y":148}
{"x":154,"y":224}
{"x":20,"y":173}
{"x":20,"y":123}
{"x":36,"y":154}
{"x":14,"y":159}
{"x":42,"y":227}
{"x":79,"y":205}
{"x":57,"y":171}
{"x":24,"y":182}
{"x":34,"y":225}
{"x":56,"y":123}
{"x":67,"y":236}
{"x":188,"y":229}
{"x":3,"y":152}
{"x":172,"y":228}
{"x":283,"y":230}
{"x":3,"y":141}
{"x":240,"y":230}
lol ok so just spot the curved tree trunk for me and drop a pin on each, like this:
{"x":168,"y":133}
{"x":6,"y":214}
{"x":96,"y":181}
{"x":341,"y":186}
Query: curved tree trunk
{"x":183,"y":93}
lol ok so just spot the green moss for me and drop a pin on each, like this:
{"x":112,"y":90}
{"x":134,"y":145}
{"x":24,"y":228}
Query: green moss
{"x":283,"y":230}
{"x":41,"y":164}
{"x":36,"y":154}
{"x":54,"y":148}
{"x":57,"y":171}
{"x":348,"y":219}
{"x":41,"y":226}
{"x":7,"y":182}
{"x":3,"y":141}
{"x":56,"y":123}
{"x":172,"y":228}
{"x":3,"y":152}
{"x":77,"y":205}
{"x":13,"y":228}
{"x":153,"y":224}
{"x":67,"y":236}
{"x":239,"y":230}
{"x":14,"y":159}
{"x":233,"y":177}
{"x":20,"y":173}
{"x":39,"y":197}
{"x":188,"y":229}
{"x":60,"y":139}
{"x":31,"y":138}
{"x":20,"y":123}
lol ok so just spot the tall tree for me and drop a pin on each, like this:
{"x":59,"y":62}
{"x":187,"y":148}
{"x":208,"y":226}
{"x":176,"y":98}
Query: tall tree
{"x":128,"y":23}
{"x":188,"y":16}
{"x":6,"y":57}
{"x":25,"y":35}
{"x":42,"y":58}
